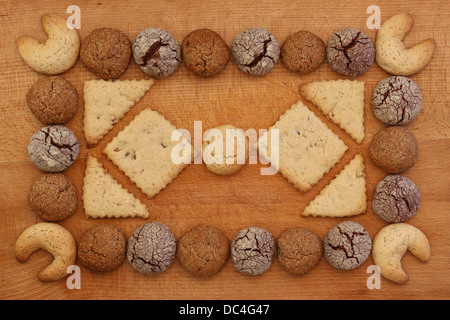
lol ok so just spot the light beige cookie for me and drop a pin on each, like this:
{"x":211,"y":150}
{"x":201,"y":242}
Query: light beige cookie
{"x":392,"y":242}
{"x":145,"y":152}
{"x":52,"y":238}
{"x":215,"y":152}
{"x":104,"y":197}
{"x":106,"y":102}
{"x":58,"y":54}
{"x":391,"y":53}
{"x":307,"y":148}
{"x":344,"y":196}
{"x":342,"y":101}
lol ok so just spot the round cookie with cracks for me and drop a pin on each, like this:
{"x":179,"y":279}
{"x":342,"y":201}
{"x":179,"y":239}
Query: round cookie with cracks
{"x":396,"y":100}
{"x":350,"y":52}
{"x":255,"y":51}
{"x":157,"y":52}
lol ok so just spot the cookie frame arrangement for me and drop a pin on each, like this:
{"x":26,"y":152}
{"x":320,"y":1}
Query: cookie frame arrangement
{"x":204,"y":250}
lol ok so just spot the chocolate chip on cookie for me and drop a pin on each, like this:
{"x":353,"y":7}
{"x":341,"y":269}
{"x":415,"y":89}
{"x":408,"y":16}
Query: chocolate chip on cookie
{"x":106,"y":52}
{"x":205,"y":53}
{"x":350,"y":52}
{"x":302,"y":52}
{"x":53,"y":197}
{"x":53,"y":100}
{"x":396,"y":100}
{"x":157,"y":52}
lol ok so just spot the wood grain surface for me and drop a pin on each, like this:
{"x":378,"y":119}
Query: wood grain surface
{"x":246,"y":198}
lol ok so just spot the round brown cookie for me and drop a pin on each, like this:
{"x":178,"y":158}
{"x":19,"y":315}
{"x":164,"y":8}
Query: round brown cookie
{"x":203,"y":250}
{"x":252,"y":250}
{"x":106,"y":52}
{"x":157,"y":52}
{"x":205,"y":53}
{"x":151,"y":248}
{"x":53,"y":197}
{"x":394,"y":149}
{"x":350,"y":52}
{"x":396,"y":100}
{"x":396,"y":199}
{"x":53,"y":100}
{"x":102,"y":248}
{"x":303,"y":52}
{"x":347,"y":245}
{"x":299,"y":250}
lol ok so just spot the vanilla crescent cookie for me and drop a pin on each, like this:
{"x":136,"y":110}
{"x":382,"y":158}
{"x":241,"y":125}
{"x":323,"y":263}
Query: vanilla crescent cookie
{"x":391,"y":54}
{"x":58,"y":54}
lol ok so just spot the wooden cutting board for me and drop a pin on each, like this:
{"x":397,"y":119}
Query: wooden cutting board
{"x":246,"y":198}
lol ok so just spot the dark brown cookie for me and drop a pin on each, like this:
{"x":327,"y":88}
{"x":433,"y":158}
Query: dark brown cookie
{"x":157,"y":52}
{"x":303,"y":52}
{"x":396,"y":100}
{"x":299,"y":250}
{"x":53,"y":197}
{"x":396,"y":199}
{"x":106,"y":52}
{"x":151,"y":248}
{"x":102,"y":248}
{"x":252,"y":250}
{"x":205,"y":53}
{"x":255,"y":51}
{"x":394,"y":149}
{"x":203,"y":250}
{"x":53,"y":100}
{"x":347,"y":245}
{"x":350,"y":52}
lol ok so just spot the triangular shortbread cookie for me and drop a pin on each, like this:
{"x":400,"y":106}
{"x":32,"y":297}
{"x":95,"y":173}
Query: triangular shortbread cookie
{"x":307,"y":148}
{"x":344,"y":196}
{"x":143,"y":151}
{"x":104,"y":197}
{"x":106,"y":102}
{"x":342,"y":101}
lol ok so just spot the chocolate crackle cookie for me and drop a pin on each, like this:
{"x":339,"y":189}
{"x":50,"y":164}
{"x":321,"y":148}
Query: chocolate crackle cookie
{"x":255,"y":51}
{"x":157,"y":52}
{"x":52,"y":100}
{"x":302,"y":52}
{"x":396,"y":100}
{"x":205,"y":53}
{"x":53,"y":148}
{"x":350,"y":52}
{"x":106,"y":52}
{"x":396,"y":199}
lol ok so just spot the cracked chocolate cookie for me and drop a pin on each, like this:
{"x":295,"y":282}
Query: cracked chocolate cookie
{"x":396,"y":100}
{"x":396,"y":199}
{"x":350,"y":52}
{"x":299,"y":250}
{"x":203,"y":250}
{"x":157,"y":52}
{"x":151,"y":248}
{"x":52,"y":100}
{"x":347,"y":245}
{"x":106,"y":52}
{"x":255,"y":51}
{"x":205,"y":53}
{"x":102,"y":248}
{"x":302,"y":52}
{"x":53,"y":197}
{"x":252,"y":250}
{"x":394,"y":149}
{"x":53,"y":148}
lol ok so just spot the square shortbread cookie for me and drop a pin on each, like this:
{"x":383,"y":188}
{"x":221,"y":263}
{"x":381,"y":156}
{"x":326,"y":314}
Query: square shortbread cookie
{"x":143,"y":151}
{"x":307,"y":147}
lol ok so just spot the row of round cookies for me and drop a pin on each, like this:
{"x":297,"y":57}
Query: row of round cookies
{"x":361,"y":50}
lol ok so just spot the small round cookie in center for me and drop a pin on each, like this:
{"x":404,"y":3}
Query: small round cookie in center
{"x":225,"y":149}
{"x":205,"y":53}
